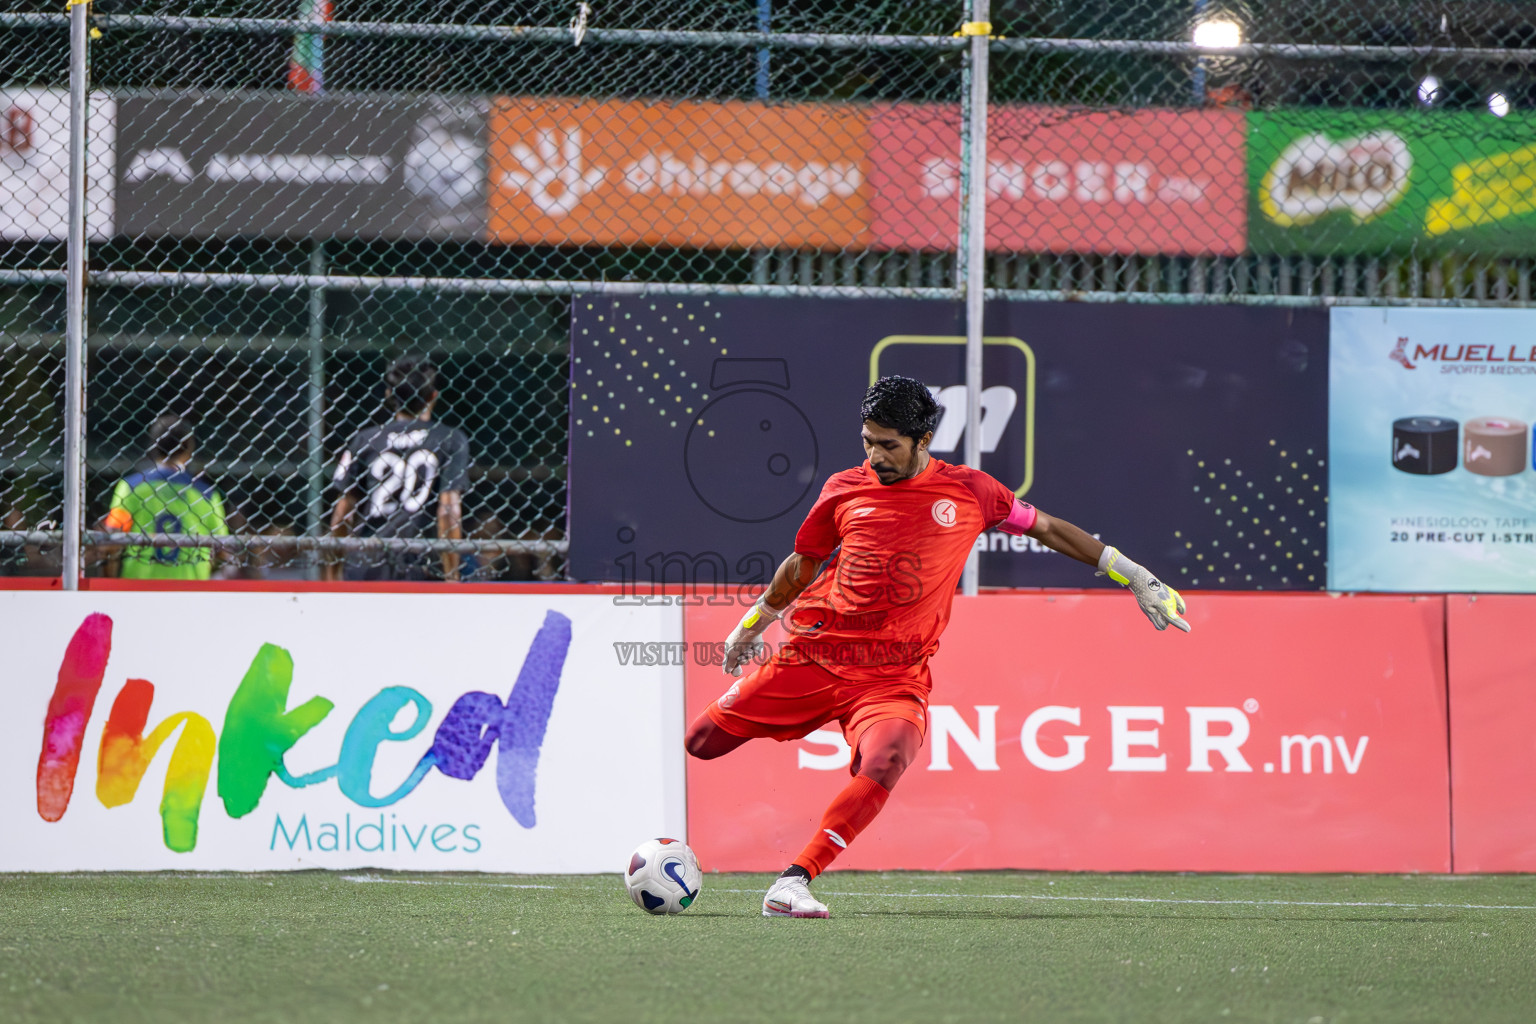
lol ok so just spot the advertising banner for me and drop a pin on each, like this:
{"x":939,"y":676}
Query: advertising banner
{"x":1094,"y":743}
{"x":1193,"y":438}
{"x":1493,"y":744}
{"x":34,"y":164}
{"x":1431,"y":481}
{"x":713,"y":175}
{"x":1330,"y":181}
{"x":250,"y":732}
{"x":1058,"y":180}
{"x":283,"y":164}
{"x":731,"y":175}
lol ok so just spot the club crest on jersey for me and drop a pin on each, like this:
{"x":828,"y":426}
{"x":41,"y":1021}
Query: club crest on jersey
{"x":945,"y":512}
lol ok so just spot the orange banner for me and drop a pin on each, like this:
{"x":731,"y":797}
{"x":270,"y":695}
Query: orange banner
{"x":1286,"y":733}
{"x":1493,"y":731}
{"x":707,"y":175}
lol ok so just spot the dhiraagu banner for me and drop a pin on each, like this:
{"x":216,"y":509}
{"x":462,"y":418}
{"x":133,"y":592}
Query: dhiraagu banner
{"x":1431,"y":486}
{"x":225,"y":731}
{"x":1327,"y":181}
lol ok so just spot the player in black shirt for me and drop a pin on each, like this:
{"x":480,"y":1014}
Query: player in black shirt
{"x":402,"y":479}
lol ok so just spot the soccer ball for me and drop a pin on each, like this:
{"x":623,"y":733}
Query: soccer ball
{"x":663,"y":876}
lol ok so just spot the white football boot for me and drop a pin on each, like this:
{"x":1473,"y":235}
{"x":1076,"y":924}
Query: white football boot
{"x":791,"y":897}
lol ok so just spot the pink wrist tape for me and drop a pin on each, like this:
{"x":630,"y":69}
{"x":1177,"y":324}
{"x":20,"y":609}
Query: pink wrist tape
{"x":1020,"y":518}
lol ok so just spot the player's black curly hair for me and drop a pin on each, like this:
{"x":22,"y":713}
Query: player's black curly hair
{"x":412,"y":383}
{"x":169,"y":435}
{"x":903,"y":404}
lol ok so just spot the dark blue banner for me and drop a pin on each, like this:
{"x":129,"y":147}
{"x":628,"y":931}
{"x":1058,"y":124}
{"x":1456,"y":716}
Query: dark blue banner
{"x":1193,"y":438}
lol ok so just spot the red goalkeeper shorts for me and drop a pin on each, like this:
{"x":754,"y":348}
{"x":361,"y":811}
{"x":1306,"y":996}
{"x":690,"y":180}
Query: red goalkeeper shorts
{"x":789,"y":698}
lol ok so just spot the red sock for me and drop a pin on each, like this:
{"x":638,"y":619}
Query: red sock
{"x":847,"y":816}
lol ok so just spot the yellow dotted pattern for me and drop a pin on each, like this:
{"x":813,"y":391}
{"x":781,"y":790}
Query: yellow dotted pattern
{"x":1269,"y":531}
{"x":635,"y":360}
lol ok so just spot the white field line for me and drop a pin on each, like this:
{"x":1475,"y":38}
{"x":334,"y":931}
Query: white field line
{"x":376,"y":880}
{"x":1009,"y":896}
{"x":1153,"y":899}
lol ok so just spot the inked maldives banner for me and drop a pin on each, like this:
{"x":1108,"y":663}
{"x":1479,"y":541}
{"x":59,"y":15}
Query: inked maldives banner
{"x":270,"y":731}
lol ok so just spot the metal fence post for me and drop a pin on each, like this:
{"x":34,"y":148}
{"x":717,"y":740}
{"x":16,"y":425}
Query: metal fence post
{"x":974,"y":169}
{"x":314,"y":456}
{"x":74,"y":315}
{"x":764,"y":25}
{"x":1197,"y":77}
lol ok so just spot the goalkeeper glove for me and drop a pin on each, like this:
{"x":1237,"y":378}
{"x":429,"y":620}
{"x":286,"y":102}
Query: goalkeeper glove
{"x":745,"y":642}
{"x":1160,"y":602}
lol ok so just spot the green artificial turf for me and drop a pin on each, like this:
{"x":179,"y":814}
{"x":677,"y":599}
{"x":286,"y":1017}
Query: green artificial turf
{"x":899,"y":947}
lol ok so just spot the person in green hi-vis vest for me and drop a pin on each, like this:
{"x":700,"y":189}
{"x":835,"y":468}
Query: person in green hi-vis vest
{"x":167,"y":499}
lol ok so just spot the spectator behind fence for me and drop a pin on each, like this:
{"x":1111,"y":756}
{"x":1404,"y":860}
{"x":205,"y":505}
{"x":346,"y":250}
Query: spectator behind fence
{"x":167,"y":498}
{"x":16,"y":558}
{"x":492,"y":565}
{"x":398,"y":479}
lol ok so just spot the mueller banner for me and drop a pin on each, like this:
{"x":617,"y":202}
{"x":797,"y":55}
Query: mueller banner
{"x":1328,"y":181}
{"x":1193,"y":438}
{"x":291,"y":165}
{"x":1430,"y":414}
{"x":34,"y":164}
{"x":1058,"y":180}
{"x":250,"y":732}
{"x":1066,"y":734}
{"x":711,"y":175}
{"x":1493,"y":744}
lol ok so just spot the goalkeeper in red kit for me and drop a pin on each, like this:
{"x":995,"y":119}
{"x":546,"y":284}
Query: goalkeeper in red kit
{"x":864,"y":598}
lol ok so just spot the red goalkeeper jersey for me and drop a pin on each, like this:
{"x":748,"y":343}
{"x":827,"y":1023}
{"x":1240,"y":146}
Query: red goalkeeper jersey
{"x":876,"y":611}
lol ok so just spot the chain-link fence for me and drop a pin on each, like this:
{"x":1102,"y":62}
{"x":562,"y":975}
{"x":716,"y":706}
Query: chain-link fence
{"x":282,"y":199}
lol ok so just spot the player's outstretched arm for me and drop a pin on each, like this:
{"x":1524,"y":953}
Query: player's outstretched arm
{"x":1161,"y":603}
{"x":794,"y":574}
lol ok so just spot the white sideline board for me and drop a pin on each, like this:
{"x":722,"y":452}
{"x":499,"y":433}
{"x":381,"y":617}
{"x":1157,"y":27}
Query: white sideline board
{"x":607,"y":774}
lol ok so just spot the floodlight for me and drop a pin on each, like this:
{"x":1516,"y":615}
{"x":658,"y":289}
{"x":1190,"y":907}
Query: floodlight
{"x":1218,"y":34}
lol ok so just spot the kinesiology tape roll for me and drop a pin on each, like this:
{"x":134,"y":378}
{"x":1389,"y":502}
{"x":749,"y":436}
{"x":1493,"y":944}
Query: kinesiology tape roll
{"x":1425,"y":445}
{"x":1494,"y":446}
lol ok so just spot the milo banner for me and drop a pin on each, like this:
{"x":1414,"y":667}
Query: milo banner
{"x":1193,"y":438}
{"x":1430,"y":414}
{"x":1327,"y":181}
